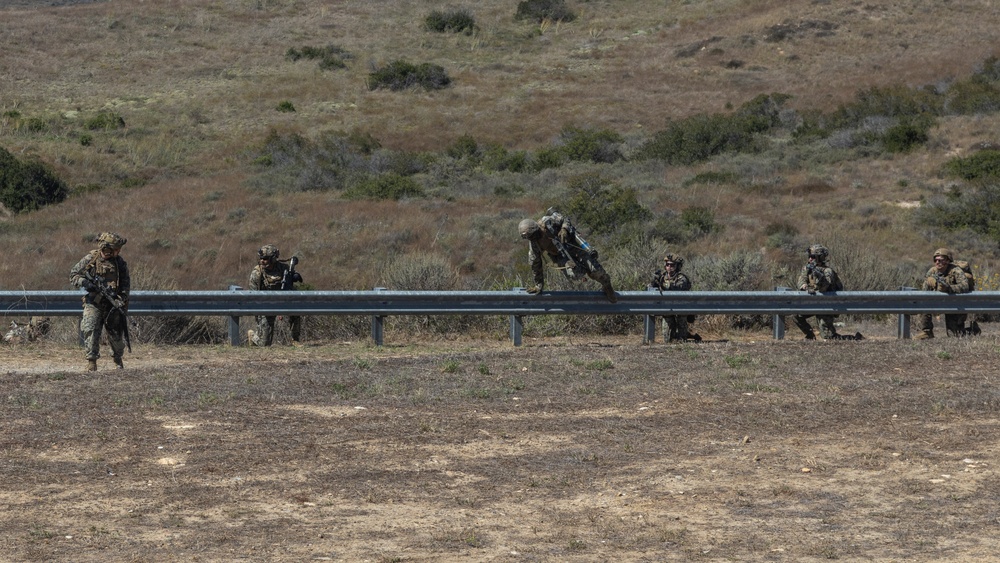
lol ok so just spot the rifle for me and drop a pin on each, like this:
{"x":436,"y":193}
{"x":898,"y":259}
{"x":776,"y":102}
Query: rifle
{"x":117,"y":304}
{"x":288,"y":279}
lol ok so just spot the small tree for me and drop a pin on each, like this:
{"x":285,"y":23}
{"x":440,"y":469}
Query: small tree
{"x":27,"y":186}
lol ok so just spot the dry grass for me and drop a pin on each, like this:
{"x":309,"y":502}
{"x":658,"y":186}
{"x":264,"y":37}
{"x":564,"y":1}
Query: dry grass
{"x":198,"y":82}
{"x":747,"y":449}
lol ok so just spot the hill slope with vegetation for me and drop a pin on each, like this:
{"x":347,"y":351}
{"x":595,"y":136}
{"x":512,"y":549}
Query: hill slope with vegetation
{"x":399,"y":143}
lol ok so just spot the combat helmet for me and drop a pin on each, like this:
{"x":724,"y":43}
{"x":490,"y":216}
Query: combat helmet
{"x":676,"y":259}
{"x":946,"y":252}
{"x":110,"y":240}
{"x":529,"y":229}
{"x":819,"y":251}
{"x":268,"y":251}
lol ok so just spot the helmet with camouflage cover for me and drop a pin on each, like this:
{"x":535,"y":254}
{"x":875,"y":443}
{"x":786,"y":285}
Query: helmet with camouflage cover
{"x":819,"y":251}
{"x":268,"y":251}
{"x":529,"y":229}
{"x":946,"y":252}
{"x":110,"y":240}
{"x":674,"y":259}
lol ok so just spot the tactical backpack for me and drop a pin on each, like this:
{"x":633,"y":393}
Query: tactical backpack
{"x":967,"y":270}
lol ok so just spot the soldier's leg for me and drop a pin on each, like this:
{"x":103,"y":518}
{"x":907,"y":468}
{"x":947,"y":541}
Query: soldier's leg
{"x":926,"y":323}
{"x":681,"y":323}
{"x":115,"y":327}
{"x":826,"y":328}
{"x":92,"y":325}
{"x":668,"y":328}
{"x":600,"y":276}
{"x":267,"y":331}
{"x":802,"y":322}
{"x":295,"y":324}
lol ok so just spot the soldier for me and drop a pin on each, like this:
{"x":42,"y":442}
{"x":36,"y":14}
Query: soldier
{"x":104,"y":274}
{"x":946,"y":277}
{"x":555,"y":236}
{"x":271,"y":274}
{"x":818,"y":277}
{"x":670,"y":278}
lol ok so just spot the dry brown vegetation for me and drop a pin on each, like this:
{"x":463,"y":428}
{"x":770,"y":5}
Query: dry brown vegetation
{"x":198,"y":84}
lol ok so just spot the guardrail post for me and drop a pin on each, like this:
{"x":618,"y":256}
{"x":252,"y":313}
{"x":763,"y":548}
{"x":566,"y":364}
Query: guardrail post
{"x":378,"y":325}
{"x":903,"y":322}
{"x":233,"y":326}
{"x":778,"y":321}
{"x":516,"y":324}
{"x":649,"y":324}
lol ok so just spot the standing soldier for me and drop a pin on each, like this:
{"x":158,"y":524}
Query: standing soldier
{"x":555,"y":236}
{"x":946,"y":277}
{"x":818,"y":277}
{"x":670,"y":278}
{"x":271,"y":274}
{"x":104,"y":274}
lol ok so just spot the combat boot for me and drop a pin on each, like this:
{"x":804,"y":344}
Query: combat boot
{"x":609,"y":292}
{"x":118,"y":363}
{"x":925,"y":335}
{"x":91,"y":365}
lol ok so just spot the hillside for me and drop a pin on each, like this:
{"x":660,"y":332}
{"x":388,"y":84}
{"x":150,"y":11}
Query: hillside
{"x":198,"y":85}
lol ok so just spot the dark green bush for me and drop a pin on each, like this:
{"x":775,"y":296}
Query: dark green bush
{"x":105,"y":120}
{"x":464,"y":147}
{"x":700,"y":137}
{"x":27,"y":186}
{"x":700,"y":221}
{"x":983,"y":165}
{"x":385,"y":186}
{"x":907,"y":134}
{"x":496,"y":158}
{"x":602,"y":207}
{"x":549,"y":157}
{"x":400,"y":75}
{"x":330,"y":57}
{"x":540,"y":10}
{"x":976,"y":95}
{"x":285,"y":107}
{"x":451,"y":21}
{"x":978,"y":211}
{"x":591,"y":145}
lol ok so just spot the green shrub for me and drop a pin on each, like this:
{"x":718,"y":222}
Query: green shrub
{"x":983,"y":165}
{"x":400,"y":75}
{"x":463,"y":147}
{"x":385,"y":186}
{"x":907,"y":134}
{"x":105,"y":120}
{"x":979,"y":93}
{"x":496,"y":158}
{"x":451,"y":21}
{"x":978,"y":211}
{"x":702,"y":136}
{"x":549,"y":157}
{"x":330,"y":57}
{"x":740,"y":271}
{"x":540,"y":10}
{"x":591,"y":145}
{"x":27,"y":186}
{"x":603,"y":208}
{"x":285,"y":107}
{"x":700,"y":221}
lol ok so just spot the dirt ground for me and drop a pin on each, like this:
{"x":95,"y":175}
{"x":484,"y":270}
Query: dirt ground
{"x":583,"y":449}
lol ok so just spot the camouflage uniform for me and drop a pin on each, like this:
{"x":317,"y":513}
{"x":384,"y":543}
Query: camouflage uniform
{"x":817,"y":277}
{"x":267,"y":275}
{"x":675,"y":327}
{"x":579,"y":260}
{"x":98,"y":313}
{"x":948,"y":278}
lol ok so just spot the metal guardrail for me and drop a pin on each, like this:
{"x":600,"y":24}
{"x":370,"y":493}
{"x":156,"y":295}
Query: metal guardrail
{"x":516,"y":304}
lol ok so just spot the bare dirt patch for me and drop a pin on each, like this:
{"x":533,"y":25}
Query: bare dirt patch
{"x":587,"y":450}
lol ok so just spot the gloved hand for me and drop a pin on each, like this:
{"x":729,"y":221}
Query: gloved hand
{"x":931,"y":282}
{"x":535,"y":290}
{"x":563,"y":235}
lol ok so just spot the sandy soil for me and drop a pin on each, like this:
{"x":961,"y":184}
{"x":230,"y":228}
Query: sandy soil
{"x":585,"y":449}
